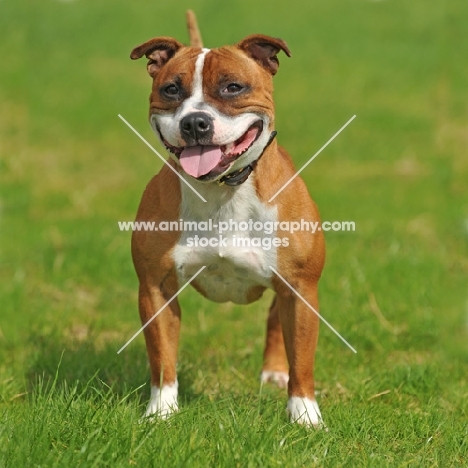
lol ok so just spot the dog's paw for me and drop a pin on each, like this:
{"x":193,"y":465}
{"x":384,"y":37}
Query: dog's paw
{"x":305,"y":411}
{"x":279,"y":378}
{"x":163,"y":401}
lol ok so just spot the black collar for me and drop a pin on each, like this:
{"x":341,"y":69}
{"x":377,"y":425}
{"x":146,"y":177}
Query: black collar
{"x":239,"y":177}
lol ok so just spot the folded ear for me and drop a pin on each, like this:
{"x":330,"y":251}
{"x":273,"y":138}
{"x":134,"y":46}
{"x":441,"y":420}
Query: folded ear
{"x":264,"y":49}
{"x":158,"y":50}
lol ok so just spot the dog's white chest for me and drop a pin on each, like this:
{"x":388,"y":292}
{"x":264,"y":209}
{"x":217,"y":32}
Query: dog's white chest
{"x":237,"y":255}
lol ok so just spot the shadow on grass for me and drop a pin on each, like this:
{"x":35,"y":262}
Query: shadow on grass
{"x":87,"y":365}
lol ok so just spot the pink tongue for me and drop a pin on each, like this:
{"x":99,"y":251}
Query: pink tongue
{"x":199,"y":160}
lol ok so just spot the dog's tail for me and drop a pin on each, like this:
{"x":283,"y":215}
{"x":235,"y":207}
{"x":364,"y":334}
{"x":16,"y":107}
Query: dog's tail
{"x":194,"y":32}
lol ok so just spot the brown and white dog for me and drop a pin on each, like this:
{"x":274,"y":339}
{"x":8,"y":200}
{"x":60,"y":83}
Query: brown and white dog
{"x":213,"y":110}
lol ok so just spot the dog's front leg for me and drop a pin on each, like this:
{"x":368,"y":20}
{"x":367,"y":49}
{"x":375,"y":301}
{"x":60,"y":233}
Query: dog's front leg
{"x":162,"y":337}
{"x":300,"y":331}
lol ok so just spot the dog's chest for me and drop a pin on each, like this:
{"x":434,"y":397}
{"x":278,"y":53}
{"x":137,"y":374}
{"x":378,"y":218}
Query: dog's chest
{"x":236,"y":254}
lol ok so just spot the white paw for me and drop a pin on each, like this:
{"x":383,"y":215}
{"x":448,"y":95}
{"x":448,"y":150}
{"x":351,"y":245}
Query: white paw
{"x":163,"y":402}
{"x":305,"y":411}
{"x":277,"y":377}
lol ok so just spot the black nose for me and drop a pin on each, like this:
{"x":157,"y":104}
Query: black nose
{"x":197,"y":128}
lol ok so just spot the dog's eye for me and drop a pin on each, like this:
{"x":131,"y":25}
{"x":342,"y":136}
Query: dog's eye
{"x":232,"y":89}
{"x":171,"y":90}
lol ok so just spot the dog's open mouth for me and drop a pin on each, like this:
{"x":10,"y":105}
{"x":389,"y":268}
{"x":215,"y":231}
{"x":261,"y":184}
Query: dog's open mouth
{"x":208,"y":161}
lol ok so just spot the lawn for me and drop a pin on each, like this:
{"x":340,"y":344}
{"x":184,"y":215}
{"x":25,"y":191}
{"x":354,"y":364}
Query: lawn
{"x":396,"y":288}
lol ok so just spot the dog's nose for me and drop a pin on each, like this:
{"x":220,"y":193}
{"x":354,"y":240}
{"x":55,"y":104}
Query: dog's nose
{"x":197,"y":128}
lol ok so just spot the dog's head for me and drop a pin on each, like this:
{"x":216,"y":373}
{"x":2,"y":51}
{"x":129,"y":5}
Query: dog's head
{"x":212,"y":108}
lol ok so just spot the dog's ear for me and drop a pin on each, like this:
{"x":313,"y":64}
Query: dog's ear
{"x":264,"y":50}
{"x":158,"y":50}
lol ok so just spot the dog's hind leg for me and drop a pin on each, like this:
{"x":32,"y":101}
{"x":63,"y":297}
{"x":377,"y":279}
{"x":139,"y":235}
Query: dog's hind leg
{"x":275,"y":364}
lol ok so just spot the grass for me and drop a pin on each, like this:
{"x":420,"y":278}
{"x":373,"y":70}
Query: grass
{"x":396,"y":288}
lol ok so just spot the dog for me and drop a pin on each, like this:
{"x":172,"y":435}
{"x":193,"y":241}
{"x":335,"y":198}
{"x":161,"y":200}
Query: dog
{"x":213,"y":110}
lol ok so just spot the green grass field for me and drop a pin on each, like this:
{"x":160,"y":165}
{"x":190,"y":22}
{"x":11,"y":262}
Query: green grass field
{"x":396,"y":288}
